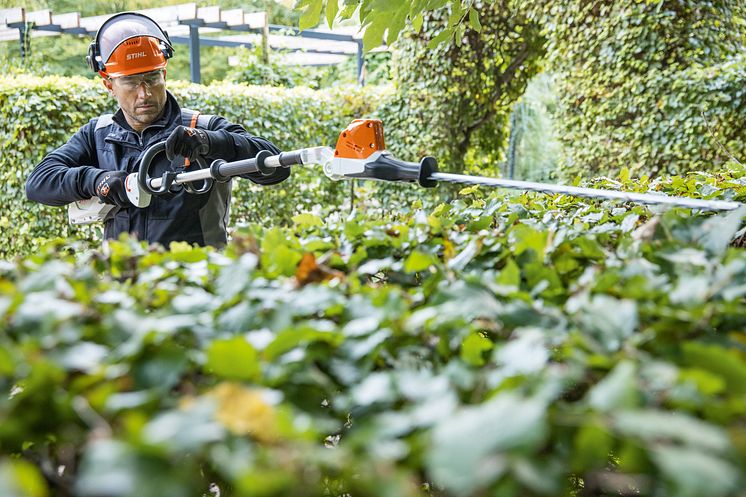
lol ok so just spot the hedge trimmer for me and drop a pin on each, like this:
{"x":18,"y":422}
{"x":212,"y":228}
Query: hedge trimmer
{"x":360,"y":154}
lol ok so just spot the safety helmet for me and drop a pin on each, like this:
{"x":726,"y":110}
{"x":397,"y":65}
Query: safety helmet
{"x":129,"y":43}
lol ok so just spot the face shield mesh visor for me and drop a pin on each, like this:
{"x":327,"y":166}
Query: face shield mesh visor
{"x":123,"y":27}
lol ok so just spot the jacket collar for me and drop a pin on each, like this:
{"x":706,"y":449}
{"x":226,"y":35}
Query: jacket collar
{"x":170,"y":118}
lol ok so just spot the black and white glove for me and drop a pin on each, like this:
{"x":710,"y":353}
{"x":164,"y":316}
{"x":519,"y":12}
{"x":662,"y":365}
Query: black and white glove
{"x":109,"y":188}
{"x":188,"y":142}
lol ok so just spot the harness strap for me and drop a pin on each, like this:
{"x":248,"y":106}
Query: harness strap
{"x":192,"y":124}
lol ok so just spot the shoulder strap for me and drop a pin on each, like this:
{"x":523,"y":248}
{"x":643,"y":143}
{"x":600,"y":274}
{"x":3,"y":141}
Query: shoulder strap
{"x":104,"y":121}
{"x":193,"y":119}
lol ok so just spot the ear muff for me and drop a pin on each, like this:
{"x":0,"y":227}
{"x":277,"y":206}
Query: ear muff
{"x":166,"y":48}
{"x":93,"y":59}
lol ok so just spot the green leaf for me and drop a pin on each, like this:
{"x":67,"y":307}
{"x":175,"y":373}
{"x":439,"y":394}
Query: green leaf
{"x":444,"y":35}
{"x":19,"y":478}
{"x":725,"y":363}
{"x":233,"y":359}
{"x":469,"y":190}
{"x":526,"y":354}
{"x":473,"y":348}
{"x":307,"y":220}
{"x":290,"y":338}
{"x":185,"y":429}
{"x":7,"y":362}
{"x":618,"y":390}
{"x":510,"y":275}
{"x":311,"y":14}
{"x":524,"y":238}
{"x":474,"y":20}
{"x":332,"y":8}
{"x":375,"y":388}
{"x":592,"y":446}
{"x":417,"y":23}
{"x":373,"y":36}
{"x":460,"y":261}
{"x":418,"y":261}
{"x":278,"y":257}
{"x":470,"y":449}
{"x":113,"y":467}
{"x":610,"y":321}
{"x":717,"y":232}
{"x":481,"y":223}
{"x":397,"y":22}
{"x":656,"y":427}
{"x":457,"y":13}
{"x":692,"y":473}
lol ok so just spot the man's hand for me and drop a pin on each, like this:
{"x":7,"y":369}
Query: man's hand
{"x":110,"y":188}
{"x":187,"y":142}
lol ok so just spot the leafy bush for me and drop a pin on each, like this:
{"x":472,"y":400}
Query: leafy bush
{"x":250,"y":69}
{"x":453,"y":101}
{"x":652,"y":86}
{"x":525,"y":345}
{"x":46,"y":111}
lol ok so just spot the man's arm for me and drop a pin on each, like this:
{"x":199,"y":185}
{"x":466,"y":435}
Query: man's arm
{"x":235,"y":143}
{"x":68,"y":173}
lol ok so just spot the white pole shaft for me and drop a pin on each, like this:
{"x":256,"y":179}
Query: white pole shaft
{"x":644,"y":198}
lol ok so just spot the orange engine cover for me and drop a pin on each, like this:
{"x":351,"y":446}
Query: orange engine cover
{"x":360,"y":139}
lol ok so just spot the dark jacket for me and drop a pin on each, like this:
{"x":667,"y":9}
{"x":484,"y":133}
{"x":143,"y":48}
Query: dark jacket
{"x":108,"y":143}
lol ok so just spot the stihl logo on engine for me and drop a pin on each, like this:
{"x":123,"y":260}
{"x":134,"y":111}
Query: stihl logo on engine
{"x":136,"y":55}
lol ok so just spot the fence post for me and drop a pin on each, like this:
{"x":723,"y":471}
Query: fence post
{"x":24,"y":32}
{"x":194,"y":64}
{"x":360,"y":64}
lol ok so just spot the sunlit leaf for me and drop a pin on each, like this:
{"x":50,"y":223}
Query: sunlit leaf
{"x":311,"y":14}
{"x":473,"y":347}
{"x":332,"y":8}
{"x":234,"y":358}
{"x":474,"y":20}
{"x":418,"y":261}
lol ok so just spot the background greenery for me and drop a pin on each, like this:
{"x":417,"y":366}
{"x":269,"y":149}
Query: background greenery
{"x":653,"y":86}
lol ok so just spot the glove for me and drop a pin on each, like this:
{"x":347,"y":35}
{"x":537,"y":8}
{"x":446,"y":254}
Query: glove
{"x":109,"y":188}
{"x":187,"y":142}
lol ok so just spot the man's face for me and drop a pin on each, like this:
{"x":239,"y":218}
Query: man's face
{"x":141,"y":96}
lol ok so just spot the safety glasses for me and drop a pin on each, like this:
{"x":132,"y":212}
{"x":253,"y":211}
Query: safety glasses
{"x":149,"y":79}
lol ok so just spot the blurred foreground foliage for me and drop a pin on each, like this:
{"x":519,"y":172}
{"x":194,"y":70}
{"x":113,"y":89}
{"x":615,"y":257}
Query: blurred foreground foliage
{"x":494,"y":345}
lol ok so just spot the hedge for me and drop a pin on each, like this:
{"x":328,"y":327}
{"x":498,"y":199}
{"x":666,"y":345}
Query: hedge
{"x":42,"y":113}
{"x":653,"y":86}
{"x":530,"y":345}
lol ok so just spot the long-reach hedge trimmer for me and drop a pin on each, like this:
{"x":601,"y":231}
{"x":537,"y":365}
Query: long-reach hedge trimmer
{"x":360,"y":154}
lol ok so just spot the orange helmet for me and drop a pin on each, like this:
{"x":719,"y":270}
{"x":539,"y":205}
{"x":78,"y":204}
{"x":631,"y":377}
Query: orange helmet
{"x":129,"y":43}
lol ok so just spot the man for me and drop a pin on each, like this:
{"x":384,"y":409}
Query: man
{"x":130,"y":53}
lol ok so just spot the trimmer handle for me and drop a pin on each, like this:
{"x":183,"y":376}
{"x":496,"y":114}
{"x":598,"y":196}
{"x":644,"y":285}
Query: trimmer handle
{"x":384,"y":167}
{"x":145,"y":181}
{"x":388,"y":168}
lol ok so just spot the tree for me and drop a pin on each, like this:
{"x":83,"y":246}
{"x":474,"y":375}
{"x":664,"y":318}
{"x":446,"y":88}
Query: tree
{"x":454,"y":97}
